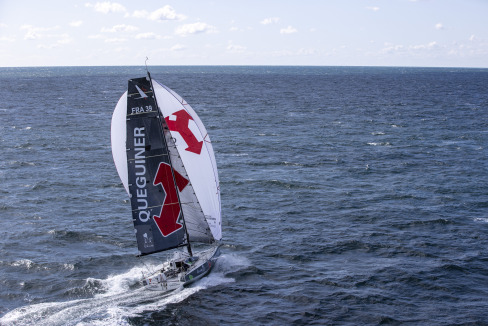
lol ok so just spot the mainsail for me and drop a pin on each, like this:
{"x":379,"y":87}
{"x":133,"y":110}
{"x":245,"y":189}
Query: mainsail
{"x":166,"y":163}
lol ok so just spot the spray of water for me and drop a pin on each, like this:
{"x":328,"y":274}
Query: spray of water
{"x":115,"y":301}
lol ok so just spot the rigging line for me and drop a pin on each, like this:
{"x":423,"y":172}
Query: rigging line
{"x":207,"y":141}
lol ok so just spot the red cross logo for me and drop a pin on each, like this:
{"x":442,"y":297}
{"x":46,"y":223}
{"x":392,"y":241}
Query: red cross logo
{"x":167,"y":221}
{"x":181,"y":125}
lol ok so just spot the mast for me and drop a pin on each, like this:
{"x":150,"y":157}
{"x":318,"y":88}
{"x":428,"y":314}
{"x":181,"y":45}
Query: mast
{"x":163,"y":122}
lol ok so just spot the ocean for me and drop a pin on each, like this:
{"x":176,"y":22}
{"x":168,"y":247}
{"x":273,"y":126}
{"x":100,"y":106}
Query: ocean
{"x":350,"y":196}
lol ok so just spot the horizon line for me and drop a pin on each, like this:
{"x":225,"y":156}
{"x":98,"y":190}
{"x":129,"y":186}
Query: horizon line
{"x":247,"y":65}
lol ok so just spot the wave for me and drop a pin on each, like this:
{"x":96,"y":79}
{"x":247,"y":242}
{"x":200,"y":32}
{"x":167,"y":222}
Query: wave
{"x":117,"y":298}
{"x":379,"y":144}
{"x":481,"y":219}
{"x":274,"y":183}
{"x":27,"y":264}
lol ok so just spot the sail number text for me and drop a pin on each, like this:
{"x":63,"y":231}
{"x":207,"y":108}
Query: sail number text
{"x":142,"y":109}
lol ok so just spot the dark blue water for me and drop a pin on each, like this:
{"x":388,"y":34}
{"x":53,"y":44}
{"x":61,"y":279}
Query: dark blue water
{"x":349,"y":196}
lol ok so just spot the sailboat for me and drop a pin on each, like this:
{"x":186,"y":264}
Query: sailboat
{"x":164,"y":157}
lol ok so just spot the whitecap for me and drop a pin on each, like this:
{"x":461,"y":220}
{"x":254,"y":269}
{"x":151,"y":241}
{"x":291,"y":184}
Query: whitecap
{"x":379,"y":144}
{"x":119,"y":301}
{"x":23,"y":263}
{"x":481,"y":219}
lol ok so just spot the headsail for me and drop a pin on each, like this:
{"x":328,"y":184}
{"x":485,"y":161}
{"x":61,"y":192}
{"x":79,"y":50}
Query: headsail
{"x":196,"y":152}
{"x":165,"y":183}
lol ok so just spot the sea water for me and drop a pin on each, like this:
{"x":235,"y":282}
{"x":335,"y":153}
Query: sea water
{"x":350,"y":195}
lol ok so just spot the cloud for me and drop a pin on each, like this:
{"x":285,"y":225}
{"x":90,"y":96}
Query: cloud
{"x":373,"y":8}
{"x":115,"y":40}
{"x":392,"y":48}
{"x":165,"y":13}
{"x":178,"y":47}
{"x":409,"y":50}
{"x":303,"y":51}
{"x":34,"y":33}
{"x":106,"y":7}
{"x":62,"y":39}
{"x":150,"y":36}
{"x":47,"y":47}
{"x":65,"y":39}
{"x":428,"y":46}
{"x":147,"y":36}
{"x":270,"y":20}
{"x":76,"y":23}
{"x":195,"y":28}
{"x":288,"y":30}
{"x":120,"y":28}
{"x":233,"y":48}
{"x":140,"y":14}
{"x":7,"y":39}
{"x":294,"y":53}
{"x":439,"y":26}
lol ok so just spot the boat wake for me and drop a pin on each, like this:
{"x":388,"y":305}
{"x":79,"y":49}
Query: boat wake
{"x":116,"y":301}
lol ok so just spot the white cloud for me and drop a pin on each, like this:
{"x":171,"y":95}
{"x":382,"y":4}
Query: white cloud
{"x":412,"y":49}
{"x":178,"y":47}
{"x":47,"y":46}
{"x":120,"y":28}
{"x":140,"y":14}
{"x":2,"y":25}
{"x":392,"y":48}
{"x":288,"y":30}
{"x":195,"y":28}
{"x":303,"y":51}
{"x":76,"y":23}
{"x":233,"y":48}
{"x":293,"y":53}
{"x":428,"y":46}
{"x":7,"y":39}
{"x":165,"y":13}
{"x":439,"y":26}
{"x":149,"y":36}
{"x":270,"y":20}
{"x":115,"y":40}
{"x":472,"y":37}
{"x":373,"y":8}
{"x":65,"y":39}
{"x":34,"y":33}
{"x":106,"y":7}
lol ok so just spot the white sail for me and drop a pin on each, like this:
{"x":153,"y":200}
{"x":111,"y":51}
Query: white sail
{"x":118,"y":138}
{"x":196,"y":152}
{"x":202,"y":199}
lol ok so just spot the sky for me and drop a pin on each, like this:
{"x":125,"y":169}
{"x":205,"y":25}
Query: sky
{"x":425,"y":33}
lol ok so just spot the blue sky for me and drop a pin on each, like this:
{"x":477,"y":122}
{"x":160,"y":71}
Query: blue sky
{"x":435,"y":33}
